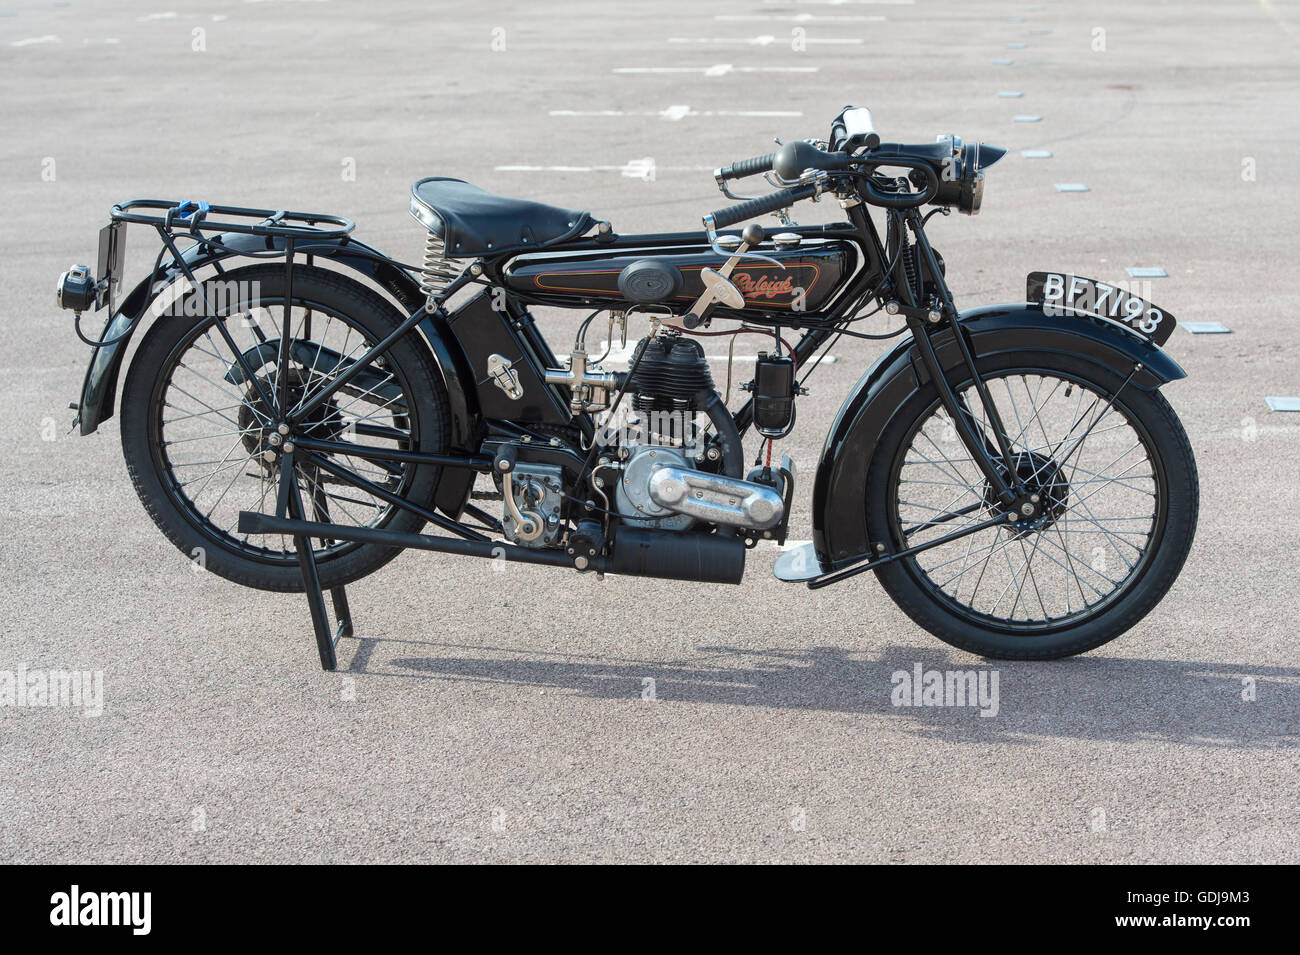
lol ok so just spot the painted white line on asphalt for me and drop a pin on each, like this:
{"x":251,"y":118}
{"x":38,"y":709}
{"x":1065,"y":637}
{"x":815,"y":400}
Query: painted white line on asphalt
{"x":1206,"y":328}
{"x":1035,"y":154}
{"x":1144,"y":272}
{"x":624,"y":354}
{"x":1283,"y":403}
{"x":1072,"y":187}
{"x":555,"y":168}
{"x":719,"y":69}
{"x":798,"y":17}
{"x":36,"y":40}
{"x":765,"y":40}
{"x":676,"y":112}
{"x":843,"y":3}
{"x":743,"y":359}
{"x":633,"y":167}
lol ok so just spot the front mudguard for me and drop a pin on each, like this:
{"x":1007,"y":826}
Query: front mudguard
{"x":839,"y":492}
{"x":99,"y":389}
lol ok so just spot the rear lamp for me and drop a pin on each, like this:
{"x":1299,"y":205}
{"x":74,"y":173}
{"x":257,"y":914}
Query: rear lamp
{"x":76,"y":289}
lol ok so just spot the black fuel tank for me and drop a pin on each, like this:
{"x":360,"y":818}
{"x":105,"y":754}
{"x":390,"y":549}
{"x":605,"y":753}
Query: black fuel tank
{"x":814,"y":271}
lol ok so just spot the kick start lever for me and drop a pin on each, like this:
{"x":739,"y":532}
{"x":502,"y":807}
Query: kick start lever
{"x":717,"y":284}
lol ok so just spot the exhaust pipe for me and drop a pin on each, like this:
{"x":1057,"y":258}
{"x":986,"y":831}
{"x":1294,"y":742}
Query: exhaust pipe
{"x":703,"y":558}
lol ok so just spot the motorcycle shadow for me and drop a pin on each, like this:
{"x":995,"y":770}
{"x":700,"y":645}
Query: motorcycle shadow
{"x":1117,"y":699}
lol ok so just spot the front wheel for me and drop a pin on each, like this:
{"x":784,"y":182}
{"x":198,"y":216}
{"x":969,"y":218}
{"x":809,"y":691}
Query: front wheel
{"x":1114,"y":474}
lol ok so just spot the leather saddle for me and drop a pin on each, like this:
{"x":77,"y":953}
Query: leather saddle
{"x":473,"y":222}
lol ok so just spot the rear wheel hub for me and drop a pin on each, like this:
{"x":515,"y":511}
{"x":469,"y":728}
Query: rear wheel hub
{"x":261,"y":425}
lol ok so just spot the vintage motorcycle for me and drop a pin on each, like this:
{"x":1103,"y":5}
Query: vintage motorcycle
{"x":1011,"y":473}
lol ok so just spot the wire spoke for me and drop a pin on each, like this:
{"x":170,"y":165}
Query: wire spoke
{"x":1073,"y":444}
{"x":212,"y":480}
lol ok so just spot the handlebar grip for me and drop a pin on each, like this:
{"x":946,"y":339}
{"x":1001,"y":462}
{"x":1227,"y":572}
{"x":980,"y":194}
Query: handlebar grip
{"x":747,"y":167}
{"x":757,"y":207}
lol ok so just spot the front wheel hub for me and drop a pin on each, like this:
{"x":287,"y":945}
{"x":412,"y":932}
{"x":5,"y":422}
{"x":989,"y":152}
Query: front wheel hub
{"x":1044,"y":497}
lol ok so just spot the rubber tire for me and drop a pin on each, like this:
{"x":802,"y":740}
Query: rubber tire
{"x":1176,"y":531}
{"x":409,"y":356}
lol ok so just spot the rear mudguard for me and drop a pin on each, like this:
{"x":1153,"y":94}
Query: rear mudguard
{"x":839,"y":493}
{"x":99,"y":390}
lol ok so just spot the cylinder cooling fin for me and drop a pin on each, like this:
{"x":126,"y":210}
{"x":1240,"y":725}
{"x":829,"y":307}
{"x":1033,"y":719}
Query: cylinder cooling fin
{"x":671,"y":375}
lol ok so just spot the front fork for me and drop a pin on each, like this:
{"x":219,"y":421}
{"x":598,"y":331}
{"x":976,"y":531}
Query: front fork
{"x":994,"y":460}
{"x":997,"y":462}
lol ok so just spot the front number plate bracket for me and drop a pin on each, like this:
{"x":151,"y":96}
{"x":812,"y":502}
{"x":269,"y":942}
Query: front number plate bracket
{"x":1061,"y":293}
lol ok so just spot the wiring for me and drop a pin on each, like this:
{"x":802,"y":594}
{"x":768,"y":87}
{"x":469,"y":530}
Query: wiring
{"x":127,"y":332}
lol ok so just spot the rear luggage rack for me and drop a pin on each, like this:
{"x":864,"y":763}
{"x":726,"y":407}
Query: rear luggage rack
{"x":195,"y":217}
{"x":286,"y":233}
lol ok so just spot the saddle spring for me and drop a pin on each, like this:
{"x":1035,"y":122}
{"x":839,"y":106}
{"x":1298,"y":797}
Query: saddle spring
{"x":437,"y":271}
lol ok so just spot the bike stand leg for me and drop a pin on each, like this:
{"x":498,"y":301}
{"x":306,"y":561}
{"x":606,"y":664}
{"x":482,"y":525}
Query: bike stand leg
{"x":320,"y":621}
{"x":342,"y":612}
{"x":327,"y":638}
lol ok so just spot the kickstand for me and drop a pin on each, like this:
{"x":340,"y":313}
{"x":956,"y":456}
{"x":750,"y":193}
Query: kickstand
{"x":327,"y":638}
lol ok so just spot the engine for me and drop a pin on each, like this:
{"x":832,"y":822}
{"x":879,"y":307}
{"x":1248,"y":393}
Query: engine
{"x":671,"y":465}
{"x":669,"y":390}
{"x":672,"y":375}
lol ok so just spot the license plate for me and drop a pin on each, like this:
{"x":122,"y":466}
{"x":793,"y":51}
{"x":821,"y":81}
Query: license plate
{"x":112,"y":257}
{"x":1061,"y":293}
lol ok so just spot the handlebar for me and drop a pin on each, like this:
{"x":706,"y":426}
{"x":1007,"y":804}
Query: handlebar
{"x":855,"y":150}
{"x":730,"y":215}
{"x":746,"y":167}
{"x":793,"y":158}
{"x":906,"y":200}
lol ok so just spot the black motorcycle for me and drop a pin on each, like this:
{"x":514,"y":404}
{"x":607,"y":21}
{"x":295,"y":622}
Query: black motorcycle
{"x":1011,"y":473}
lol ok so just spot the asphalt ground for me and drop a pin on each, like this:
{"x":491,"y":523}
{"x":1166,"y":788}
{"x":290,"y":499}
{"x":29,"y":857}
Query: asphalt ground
{"x":489,"y":715}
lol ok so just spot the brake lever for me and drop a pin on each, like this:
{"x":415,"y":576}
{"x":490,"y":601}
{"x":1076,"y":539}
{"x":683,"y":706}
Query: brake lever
{"x":772,"y":179}
{"x":722,"y":185}
{"x":818,"y":179}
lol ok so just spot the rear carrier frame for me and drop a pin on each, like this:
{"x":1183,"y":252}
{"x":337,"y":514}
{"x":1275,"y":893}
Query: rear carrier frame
{"x":185,"y":219}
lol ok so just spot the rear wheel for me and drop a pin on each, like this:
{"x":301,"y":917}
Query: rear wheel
{"x":1117,"y":497}
{"x":202,"y":442}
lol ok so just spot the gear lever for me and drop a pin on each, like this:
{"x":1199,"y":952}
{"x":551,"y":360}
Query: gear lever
{"x":717,"y":284}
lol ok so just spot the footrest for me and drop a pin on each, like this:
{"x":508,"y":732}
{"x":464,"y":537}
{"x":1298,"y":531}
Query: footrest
{"x":798,"y":564}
